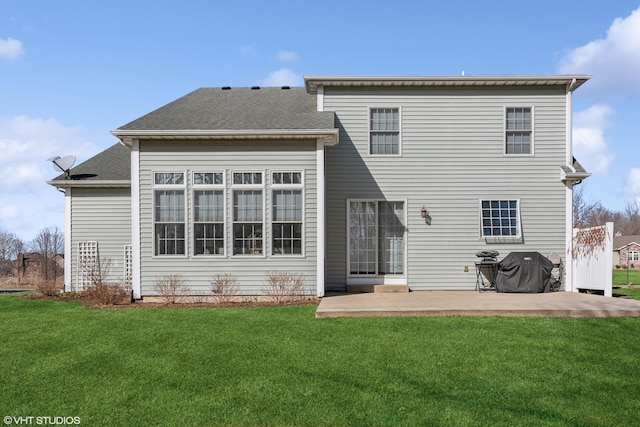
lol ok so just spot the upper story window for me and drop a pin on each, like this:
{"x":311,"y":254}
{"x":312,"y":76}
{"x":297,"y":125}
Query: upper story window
{"x":169,"y":213}
{"x":518,"y":130}
{"x":208,"y":213}
{"x":384,"y":131}
{"x":500,"y":218}
{"x":248,"y":213}
{"x":286,"y":219}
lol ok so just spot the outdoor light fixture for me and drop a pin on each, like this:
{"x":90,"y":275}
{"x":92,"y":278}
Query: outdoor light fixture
{"x":424,"y":212}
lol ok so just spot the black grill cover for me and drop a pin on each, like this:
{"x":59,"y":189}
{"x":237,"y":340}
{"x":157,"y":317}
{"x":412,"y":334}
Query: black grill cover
{"x":524,"y":272}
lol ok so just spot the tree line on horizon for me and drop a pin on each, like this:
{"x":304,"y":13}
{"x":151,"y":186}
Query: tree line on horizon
{"x":48,"y":243}
{"x":588,"y":213}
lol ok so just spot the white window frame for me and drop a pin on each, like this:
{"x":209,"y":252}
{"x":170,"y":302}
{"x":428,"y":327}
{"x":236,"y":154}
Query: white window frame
{"x":377,"y":277}
{"x":370,"y":131}
{"x":633,"y":255}
{"x":195,"y":187}
{"x":290,"y":186}
{"x":170,"y":187}
{"x":518,"y":217}
{"x":506,"y":130}
{"x":248,"y":187}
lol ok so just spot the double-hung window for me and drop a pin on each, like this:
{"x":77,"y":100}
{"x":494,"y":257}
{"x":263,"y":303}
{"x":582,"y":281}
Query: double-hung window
{"x":518,"y":130}
{"x":208,"y":213}
{"x":384,"y":131}
{"x":500,"y":218}
{"x":169,"y":213}
{"x":248,"y":213}
{"x":286,"y":220}
{"x":633,"y":256}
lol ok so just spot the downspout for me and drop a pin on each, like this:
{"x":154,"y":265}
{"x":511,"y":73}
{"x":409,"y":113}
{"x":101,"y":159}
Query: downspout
{"x":68,"y":234}
{"x":569,"y":285}
{"x":136,"y":287}
{"x":321,"y":209}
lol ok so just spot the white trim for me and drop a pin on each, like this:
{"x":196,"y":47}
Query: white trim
{"x":504,"y":131}
{"x":192,"y":220}
{"x":500,"y":199}
{"x":303,"y":223}
{"x":312,"y":83}
{"x":568,"y":280}
{"x":377,"y":278}
{"x":135,"y":219}
{"x":320,"y":98}
{"x":68,"y":234}
{"x":329,"y":136}
{"x":248,"y":187}
{"x":320,"y":219}
{"x":377,"y":107}
{"x":91,"y":183}
{"x":169,"y":187}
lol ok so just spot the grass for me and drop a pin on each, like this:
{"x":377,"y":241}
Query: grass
{"x":281,"y":366}
{"x":620,"y":281}
{"x":620,"y":277}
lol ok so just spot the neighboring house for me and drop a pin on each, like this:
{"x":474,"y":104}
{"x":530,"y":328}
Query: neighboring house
{"x":626,"y":251}
{"x":349,"y":181}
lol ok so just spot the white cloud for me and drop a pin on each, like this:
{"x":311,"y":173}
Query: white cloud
{"x":10,"y":48}
{"x":633,"y":182}
{"x":283,"y":77}
{"x":614,"y":61}
{"x":286,"y":56}
{"x":25,"y":145}
{"x":590,"y":145}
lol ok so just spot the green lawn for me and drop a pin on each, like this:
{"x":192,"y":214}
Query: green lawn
{"x":620,"y":277}
{"x":281,"y":366}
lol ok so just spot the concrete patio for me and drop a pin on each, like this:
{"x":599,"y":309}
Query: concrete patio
{"x":473,"y":303}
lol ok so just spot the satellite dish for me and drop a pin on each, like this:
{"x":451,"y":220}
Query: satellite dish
{"x":63,"y":164}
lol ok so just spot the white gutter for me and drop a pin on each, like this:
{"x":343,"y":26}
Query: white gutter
{"x":78,"y":183}
{"x":328,"y":135}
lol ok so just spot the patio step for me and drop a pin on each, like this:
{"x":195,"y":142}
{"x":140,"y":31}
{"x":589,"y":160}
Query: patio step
{"x":360,"y":289}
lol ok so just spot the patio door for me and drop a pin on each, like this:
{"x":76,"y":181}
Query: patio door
{"x":376,"y":238}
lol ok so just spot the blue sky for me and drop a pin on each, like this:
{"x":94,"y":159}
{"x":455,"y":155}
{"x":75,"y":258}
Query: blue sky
{"x":71,"y":71}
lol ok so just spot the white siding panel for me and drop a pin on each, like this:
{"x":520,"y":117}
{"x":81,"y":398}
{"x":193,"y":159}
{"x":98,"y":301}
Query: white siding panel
{"x":452,"y":156}
{"x":102,"y":215}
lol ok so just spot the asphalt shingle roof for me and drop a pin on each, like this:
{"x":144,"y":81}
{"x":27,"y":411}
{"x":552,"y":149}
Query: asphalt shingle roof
{"x":208,"y":109}
{"x":235,"y":109}
{"x":112,"y":164}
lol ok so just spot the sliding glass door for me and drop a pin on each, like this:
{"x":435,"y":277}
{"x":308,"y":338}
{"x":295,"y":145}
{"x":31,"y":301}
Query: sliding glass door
{"x":376,"y":238}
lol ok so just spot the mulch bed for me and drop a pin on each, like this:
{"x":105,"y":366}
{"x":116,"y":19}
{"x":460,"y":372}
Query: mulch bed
{"x":74,"y":297}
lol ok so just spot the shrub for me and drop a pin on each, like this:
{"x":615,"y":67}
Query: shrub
{"x":224,"y":287}
{"x":284,"y":287}
{"x":48,"y":288}
{"x":106,"y":294}
{"x":172,"y":288}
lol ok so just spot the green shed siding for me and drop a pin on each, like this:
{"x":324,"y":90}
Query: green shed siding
{"x":227,"y":157}
{"x":452,"y":156}
{"x":102,"y":215}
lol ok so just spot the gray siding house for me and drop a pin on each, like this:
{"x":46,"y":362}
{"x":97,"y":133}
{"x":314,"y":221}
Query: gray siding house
{"x":354,"y":182}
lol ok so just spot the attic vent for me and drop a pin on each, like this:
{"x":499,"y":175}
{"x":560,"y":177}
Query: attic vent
{"x":255,"y":87}
{"x":286,"y":87}
{"x":226,"y":88}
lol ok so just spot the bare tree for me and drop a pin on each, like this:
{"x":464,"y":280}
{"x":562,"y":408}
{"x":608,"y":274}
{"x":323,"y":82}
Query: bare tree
{"x":47,"y":244}
{"x":10,"y":247}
